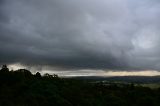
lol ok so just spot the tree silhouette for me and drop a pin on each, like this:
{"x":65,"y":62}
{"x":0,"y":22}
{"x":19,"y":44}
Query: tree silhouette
{"x":38,"y":75}
{"x":55,"y":75}
{"x":4,"y":68}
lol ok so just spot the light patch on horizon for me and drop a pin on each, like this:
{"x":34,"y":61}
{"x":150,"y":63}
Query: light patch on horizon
{"x":16,"y":66}
{"x":134,"y":73}
{"x":103,"y":73}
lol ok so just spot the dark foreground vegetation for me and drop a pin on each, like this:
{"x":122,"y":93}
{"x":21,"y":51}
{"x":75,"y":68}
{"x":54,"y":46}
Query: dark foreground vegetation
{"x":22,"y":88}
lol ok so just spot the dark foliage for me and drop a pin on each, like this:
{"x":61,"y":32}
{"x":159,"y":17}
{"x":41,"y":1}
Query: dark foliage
{"x":22,"y":88}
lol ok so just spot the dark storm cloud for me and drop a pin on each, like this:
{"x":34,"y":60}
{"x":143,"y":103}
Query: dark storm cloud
{"x":81,"y":34}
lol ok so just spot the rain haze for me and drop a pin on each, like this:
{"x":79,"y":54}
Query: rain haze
{"x":81,"y":37}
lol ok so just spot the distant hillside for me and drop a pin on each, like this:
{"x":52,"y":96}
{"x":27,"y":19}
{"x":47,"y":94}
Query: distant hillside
{"x":129,"y":79}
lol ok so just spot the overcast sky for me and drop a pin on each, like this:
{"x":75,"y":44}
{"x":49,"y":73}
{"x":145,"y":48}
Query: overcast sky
{"x":81,"y":34}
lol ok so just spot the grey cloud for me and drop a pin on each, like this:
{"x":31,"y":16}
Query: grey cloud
{"x":81,"y":34}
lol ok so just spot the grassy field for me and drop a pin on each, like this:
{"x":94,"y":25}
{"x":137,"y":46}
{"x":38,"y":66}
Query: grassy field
{"x":151,"y":85}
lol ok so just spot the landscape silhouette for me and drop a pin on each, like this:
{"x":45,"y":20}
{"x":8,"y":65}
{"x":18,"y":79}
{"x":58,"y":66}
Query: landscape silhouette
{"x":22,"y":88}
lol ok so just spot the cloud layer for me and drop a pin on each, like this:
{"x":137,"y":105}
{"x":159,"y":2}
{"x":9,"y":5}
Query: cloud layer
{"x":81,"y":34}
